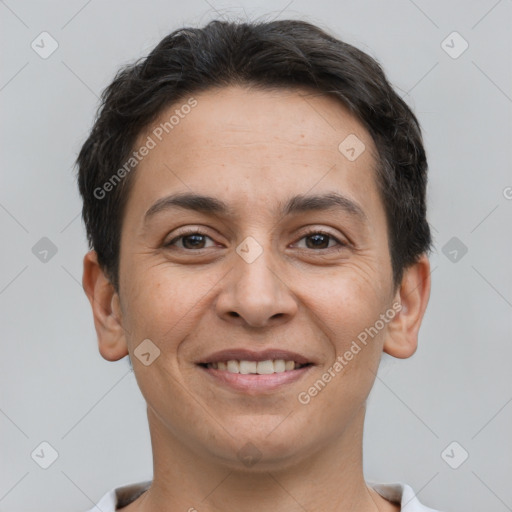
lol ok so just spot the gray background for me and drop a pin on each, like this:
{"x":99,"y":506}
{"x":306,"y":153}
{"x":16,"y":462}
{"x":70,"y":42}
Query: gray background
{"x":457,"y":387}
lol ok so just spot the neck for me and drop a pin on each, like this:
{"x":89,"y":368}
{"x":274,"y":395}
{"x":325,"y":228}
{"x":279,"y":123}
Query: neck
{"x":330,"y":479}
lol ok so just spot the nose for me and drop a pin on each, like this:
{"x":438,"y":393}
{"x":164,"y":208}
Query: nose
{"x":255,"y":292}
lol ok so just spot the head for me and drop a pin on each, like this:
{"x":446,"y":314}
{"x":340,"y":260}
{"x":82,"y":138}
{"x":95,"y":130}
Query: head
{"x":297,"y":222}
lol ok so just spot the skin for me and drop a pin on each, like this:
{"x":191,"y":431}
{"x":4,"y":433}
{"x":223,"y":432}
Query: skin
{"x":255,"y":149}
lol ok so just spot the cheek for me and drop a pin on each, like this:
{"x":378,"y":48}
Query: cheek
{"x":347,"y":315}
{"x":351,"y":299}
{"x":165,"y":304}
{"x":151,"y":306}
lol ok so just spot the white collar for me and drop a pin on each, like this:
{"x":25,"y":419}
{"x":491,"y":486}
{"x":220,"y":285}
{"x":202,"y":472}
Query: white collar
{"x":398,"y":492}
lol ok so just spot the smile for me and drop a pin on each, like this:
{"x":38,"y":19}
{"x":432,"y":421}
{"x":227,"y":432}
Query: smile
{"x":244,"y":376}
{"x":245,"y":367}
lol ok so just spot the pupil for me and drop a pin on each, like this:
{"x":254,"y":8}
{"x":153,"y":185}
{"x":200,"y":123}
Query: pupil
{"x":196,"y":237}
{"x":317,"y":238}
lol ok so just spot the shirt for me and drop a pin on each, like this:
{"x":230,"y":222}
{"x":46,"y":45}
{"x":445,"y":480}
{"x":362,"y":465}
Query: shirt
{"x":398,"y":492}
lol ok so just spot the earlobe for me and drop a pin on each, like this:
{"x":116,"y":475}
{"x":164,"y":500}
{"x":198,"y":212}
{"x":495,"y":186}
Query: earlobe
{"x":106,"y":310}
{"x":402,"y":333}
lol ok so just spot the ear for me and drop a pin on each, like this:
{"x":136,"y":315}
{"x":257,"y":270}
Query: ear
{"x":402,"y":332}
{"x":106,"y":309}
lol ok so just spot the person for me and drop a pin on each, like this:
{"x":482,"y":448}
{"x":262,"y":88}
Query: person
{"x":254,"y":195}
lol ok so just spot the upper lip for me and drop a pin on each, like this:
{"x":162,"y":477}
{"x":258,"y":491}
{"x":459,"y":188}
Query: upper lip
{"x":251,"y":355}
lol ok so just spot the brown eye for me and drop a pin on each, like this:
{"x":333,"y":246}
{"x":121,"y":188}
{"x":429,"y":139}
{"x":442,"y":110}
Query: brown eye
{"x":320,"y":240}
{"x":190,"y":241}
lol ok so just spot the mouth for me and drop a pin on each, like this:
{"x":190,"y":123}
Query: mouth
{"x":246,"y":367}
{"x":255,"y":372}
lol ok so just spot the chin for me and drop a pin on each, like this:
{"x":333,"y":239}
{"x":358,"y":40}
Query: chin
{"x":264,"y":449}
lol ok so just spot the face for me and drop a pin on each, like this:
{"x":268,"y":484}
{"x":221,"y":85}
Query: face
{"x":256,"y":267}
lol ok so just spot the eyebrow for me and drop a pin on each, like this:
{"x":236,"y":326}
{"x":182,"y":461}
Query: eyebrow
{"x":297,"y":204}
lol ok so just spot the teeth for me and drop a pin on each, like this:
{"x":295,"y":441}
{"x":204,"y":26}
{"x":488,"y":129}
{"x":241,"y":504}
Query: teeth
{"x":258,"y":367}
{"x":289,"y":365}
{"x":280,"y":365}
{"x":247,"y":367}
{"x":233,"y":367}
{"x":265,"y":367}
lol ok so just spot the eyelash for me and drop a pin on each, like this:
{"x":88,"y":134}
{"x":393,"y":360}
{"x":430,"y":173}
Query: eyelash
{"x":305,"y":235}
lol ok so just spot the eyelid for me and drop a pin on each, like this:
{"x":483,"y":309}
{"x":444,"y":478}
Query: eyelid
{"x":341,"y":241}
{"x":309,"y":231}
{"x":188,"y":232}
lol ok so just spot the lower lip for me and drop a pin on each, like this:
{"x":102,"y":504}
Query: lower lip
{"x":254,"y":381}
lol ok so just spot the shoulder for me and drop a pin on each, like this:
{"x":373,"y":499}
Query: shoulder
{"x":121,"y":496}
{"x":403,"y":494}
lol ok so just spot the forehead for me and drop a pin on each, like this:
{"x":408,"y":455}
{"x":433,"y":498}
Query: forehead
{"x":255,"y":148}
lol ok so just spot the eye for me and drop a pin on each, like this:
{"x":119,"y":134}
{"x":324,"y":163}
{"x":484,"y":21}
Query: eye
{"x":319,"y":239}
{"x":190,"y":240}
{"x":195,"y":239}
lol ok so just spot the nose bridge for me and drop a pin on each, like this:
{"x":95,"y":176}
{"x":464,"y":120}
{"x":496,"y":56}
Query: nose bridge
{"x":254,"y":289}
{"x":254,"y":264}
